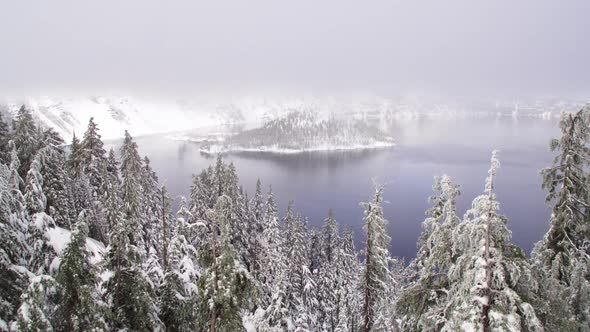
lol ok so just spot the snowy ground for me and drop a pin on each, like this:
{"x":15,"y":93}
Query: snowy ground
{"x":59,"y":238}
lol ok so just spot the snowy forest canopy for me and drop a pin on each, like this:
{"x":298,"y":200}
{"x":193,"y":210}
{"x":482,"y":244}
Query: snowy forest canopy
{"x":88,"y":242}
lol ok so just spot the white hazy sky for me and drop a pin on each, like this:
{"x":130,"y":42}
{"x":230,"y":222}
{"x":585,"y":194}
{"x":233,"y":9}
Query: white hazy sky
{"x":467,"y":47}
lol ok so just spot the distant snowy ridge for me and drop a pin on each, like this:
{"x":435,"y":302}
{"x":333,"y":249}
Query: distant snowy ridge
{"x":115,"y":115}
{"x":300,"y":132}
{"x":143,"y":116}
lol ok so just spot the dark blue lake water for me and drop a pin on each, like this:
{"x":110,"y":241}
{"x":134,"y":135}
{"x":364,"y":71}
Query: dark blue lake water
{"x":425,"y":147}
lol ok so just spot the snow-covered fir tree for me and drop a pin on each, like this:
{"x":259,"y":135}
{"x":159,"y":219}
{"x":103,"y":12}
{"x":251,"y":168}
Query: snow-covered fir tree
{"x":79,"y":308}
{"x":178,"y":292}
{"x":75,"y":162}
{"x":272,"y":262}
{"x":563,"y":256}
{"x":132,"y":194}
{"x":4,"y":139}
{"x":25,"y":139}
{"x":422,"y":301}
{"x":376,"y":268}
{"x":329,"y":274}
{"x":255,"y":230}
{"x":491,"y":280}
{"x":225,"y":285}
{"x":92,"y":156}
{"x":13,"y":246}
{"x":56,"y":183}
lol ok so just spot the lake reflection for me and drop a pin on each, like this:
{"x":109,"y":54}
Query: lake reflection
{"x":460,"y":148}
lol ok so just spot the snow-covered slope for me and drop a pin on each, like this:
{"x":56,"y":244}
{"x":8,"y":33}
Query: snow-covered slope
{"x":143,"y":116}
{"x":114,"y":115}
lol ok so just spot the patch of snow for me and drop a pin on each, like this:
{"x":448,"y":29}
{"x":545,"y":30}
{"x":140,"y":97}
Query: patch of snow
{"x":59,"y":238}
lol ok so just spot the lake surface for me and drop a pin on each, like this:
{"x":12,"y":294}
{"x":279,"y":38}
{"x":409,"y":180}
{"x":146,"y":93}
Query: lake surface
{"x":425,"y":147}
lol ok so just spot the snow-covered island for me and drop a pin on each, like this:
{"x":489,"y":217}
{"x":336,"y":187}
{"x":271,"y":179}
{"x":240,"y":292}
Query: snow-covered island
{"x":300,"y":132}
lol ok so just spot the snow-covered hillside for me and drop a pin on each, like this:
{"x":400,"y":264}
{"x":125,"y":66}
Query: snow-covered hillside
{"x":144,"y":116}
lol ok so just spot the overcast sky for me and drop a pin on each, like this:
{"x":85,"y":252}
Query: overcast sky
{"x":523,"y":47}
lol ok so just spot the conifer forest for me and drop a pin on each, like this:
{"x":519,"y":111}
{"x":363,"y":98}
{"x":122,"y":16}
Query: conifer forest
{"x":89,"y":242}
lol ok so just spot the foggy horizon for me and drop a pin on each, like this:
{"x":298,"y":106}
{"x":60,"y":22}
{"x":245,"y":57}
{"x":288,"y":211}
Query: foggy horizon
{"x":387,"y":48}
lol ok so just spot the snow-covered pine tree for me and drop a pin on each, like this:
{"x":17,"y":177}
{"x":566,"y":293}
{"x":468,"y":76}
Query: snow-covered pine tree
{"x":225,"y":285}
{"x":4,"y":139}
{"x":200,"y":201}
{"x":295,"y":250}
{"x":351,"y":296}
{"x":255,"y":230}
{"x":79,"y":307}
{"x":491,"y":280}
{"x":178,"y":293}
{"x":272,"y":260}
{"x":38,"y":305}
{"x":92,"y":156}
{"x":90,"y":159}
{"x":305,"y":292}
{"x":42,"y":253}
{"x":112,"y":166}
{"x":287,"y":229}
{"x":55,"y":179}
{"x":132,"y":194}
{"x":34,"y":196}
{"x":13,"y":248}
{"x":155,"y":209}
{"x":563,"y":255}
{"x":387,"y":320}
{"x":421,"y":302}
{"x":376,"y":265}
{"x":16,"y":214}
{"x":25,"y":139}
{"x":128,"y":290}
{"x":329,"y":274}
{"x":75,"y":163}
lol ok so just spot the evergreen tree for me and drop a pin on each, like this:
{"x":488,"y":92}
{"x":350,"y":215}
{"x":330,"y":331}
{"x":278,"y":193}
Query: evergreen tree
{"x":351,"y":299}
{"x":55,"y":184}
{"x":112,"y":166}
{"x":563,"y":256}
{"x":491,"y":279}
{"x":79,"y":307}
{"x":179,"y":290}
{"x":376,"y":265}
{"x":25,"y":138}
{"x":272,"y":261}
{"x":34,"y":196}
{"x":255,"y":230}
{"x":75,"y":162}
{"x":4,"y":138}
{"x":329,"y":274}
{"x":38,"y":307}
{"x":14,"y":213}
{"x":155,"y":208}
{"x":13,"y":248}
{"x":225,"y":284}
{"x":128,"y":290}
{"x":421,"y":303}
{"x":92,"y":156}
{"x":132,"y":193}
